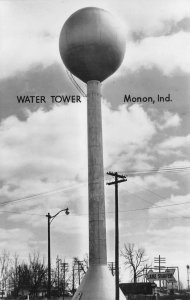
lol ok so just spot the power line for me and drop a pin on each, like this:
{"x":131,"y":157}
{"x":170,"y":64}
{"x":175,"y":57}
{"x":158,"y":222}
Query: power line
{"x":150,"y":191}
{"x":111,"y":212}
{"x":154,"y":170}
{"x":21,"y":213}
{"x":170,"y":218}
{"x":73,"y":187}
{"x":76,"y":186}
{"x":160,"y":170}
{"x":154,"y":207}
{"x":40,"y":194}
{"x":139,"y":209}
{"x":148,"y":201}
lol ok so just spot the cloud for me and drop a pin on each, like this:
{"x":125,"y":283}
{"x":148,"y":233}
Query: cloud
{"x":177,"y":235}
{"x":178,"y":164}
{"x":47,"y":155}
{"x":174,"y":27}
{"x":178,"y":210}
{"x":29,"y":43}
{"x":17,"y":239}
{"x":28,"y":52}
{"x":56,"y":128}
{"x":120,"y":142}
{"x":168,"y":53}
{"x":33,"y":39}
{"x":175,"y":142}
{"x":139,"y":184}
{"x":61,"y":134}
{"x":146,"y":23}
{"x":169,"y":120}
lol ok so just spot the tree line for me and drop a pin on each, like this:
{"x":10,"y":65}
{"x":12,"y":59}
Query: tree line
{"x":19,"y":277}
{"x":31,"y":277}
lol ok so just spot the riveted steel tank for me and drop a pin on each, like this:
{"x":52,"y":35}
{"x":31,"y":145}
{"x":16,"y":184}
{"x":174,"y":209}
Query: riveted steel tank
{"x":92,"y":44}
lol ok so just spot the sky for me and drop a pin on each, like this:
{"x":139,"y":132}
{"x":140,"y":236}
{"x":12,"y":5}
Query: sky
{"x":43,"y":152}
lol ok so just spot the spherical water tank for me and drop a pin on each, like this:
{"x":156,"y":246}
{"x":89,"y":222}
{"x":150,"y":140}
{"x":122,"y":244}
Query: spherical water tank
{"x":92,"y":44}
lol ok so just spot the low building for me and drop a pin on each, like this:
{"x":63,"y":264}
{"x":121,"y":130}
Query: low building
{"x":139,"y":291}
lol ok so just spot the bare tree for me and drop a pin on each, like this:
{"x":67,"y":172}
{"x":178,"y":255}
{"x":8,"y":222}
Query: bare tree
{"x":134,"y":260}
{"x":37,"y":272}
{"x":31,"y":275}
{"x":4,"y":268}
{"x":14,"y":275}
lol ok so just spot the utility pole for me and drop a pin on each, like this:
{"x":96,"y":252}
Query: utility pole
{"x":49,"y":257}
{"x":117,"y":180}
{"x":73,"y":279}
{"x":64,"y":269}
{"x":188,"y":277}
{"x":178,"y":278}
{"x":146,"y":269}
{"x":79,"y":262}
{"x":159,"y":260}
{"x":50,"y":219}
{"x":58,"y":274}
{"x":111,"y":266}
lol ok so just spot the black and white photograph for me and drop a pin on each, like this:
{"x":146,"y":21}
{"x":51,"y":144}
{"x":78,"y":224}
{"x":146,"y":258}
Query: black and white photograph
{"x":95,"y":149}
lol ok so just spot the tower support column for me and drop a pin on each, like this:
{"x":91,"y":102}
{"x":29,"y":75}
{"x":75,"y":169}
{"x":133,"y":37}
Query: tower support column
{"x":98,"y":283}
{"x":97,"y":226}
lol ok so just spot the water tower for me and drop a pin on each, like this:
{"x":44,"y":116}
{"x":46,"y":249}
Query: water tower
{"x":92,"y":47}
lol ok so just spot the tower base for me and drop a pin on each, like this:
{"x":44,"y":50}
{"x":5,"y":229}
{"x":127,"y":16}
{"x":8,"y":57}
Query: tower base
{"x":98,"y":284}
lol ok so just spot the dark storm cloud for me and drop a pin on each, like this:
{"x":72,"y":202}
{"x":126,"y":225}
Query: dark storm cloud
{"x":33,"y":82}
